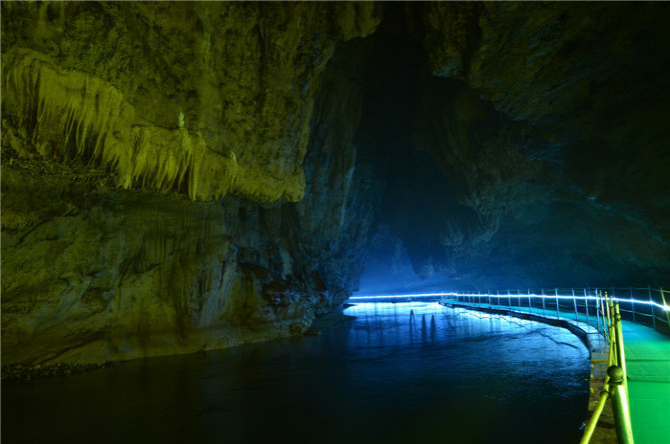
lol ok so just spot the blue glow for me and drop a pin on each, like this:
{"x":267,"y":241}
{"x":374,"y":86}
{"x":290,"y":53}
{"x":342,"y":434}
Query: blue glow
{"x":506,"y":296}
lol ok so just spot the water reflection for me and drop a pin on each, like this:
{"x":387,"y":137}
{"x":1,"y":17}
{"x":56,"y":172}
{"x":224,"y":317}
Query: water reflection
{"x":400,"y":373}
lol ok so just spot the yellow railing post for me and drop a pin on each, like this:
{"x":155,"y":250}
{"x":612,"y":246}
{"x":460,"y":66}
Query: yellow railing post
{"x":624,"y":429}
{"x":653,"y":309}
{"x":616,"y":384}
{"x":591,"y":426}
{"x":602,"y":302}
{"x":607,"y":314}
{"x":667,"y":313}
{"x":621,"y":354}
{"x":598,"y":313}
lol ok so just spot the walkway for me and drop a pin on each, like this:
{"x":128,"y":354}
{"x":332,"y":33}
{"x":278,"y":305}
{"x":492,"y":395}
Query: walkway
{"x":648,"y":365}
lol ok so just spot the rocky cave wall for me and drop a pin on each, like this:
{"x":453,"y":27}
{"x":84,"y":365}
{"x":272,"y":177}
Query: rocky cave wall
{"x":153,"y":175}
{"x":185,"y":176}
{"x":537,"y":151}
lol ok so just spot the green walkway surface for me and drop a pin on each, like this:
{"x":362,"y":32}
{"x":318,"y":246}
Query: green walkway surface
{"x":648,"y":364}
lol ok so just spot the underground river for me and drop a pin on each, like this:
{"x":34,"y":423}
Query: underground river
{"x":398,"y":373}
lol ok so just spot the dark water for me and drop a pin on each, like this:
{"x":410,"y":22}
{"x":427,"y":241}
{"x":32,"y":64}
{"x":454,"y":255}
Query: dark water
{"x":434,"y":376}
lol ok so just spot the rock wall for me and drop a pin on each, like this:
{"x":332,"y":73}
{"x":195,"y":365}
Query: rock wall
{"x":153,"y":168}
{"x":547,"y":126}
{"x":208,"y":98}
{"x":178,"y":176}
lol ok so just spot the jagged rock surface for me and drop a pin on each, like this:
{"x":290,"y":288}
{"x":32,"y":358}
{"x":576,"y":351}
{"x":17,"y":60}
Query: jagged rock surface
{"x":184,"y":176}
{"x":221,"y":93}
{"x":548,"y":124}
{"x":116,"y":118}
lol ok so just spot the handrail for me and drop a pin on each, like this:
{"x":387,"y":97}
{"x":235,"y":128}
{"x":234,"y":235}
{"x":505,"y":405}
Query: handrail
{"x":604,"y":306}
{"x":615,"y":387}
{"x":607,"y":311}
{"x":645,"y":305}
{"x":608,"y":323}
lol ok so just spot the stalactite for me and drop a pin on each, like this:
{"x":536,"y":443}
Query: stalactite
{"x":74,"y":108}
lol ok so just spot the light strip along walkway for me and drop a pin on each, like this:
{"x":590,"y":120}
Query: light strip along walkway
{"x":648,"y":365}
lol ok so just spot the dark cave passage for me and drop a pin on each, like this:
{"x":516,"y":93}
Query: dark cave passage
{"x":477,"y":198}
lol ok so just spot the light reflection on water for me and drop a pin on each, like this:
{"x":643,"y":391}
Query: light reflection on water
{"x":400,"y":373}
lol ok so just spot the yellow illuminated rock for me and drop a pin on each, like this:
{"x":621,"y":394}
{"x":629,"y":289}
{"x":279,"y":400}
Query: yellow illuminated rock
{"x":149,"y":154}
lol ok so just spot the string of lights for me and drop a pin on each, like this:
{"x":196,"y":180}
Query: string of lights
{"x":591,"y":297}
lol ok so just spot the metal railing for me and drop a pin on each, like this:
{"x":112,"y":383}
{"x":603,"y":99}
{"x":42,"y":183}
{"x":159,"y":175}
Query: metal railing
{"x":600,"y":308}
{"x":597,"y":308}
{"x":647,"y":306}
{"x":615,"y":387}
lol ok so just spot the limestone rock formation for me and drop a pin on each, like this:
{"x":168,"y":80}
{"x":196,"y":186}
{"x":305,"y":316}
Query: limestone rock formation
{"x":552,"y":128}
{"x":178,"y":176}
{"x":220,"y":93}
{"x":116,"y":117}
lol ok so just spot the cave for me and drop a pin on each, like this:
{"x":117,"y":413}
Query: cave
{"x":187,"y":177}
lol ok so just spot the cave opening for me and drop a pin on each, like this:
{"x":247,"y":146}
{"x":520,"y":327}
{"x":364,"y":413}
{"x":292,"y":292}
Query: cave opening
{"x":395,"y":82}
{"x":391,"y":103}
